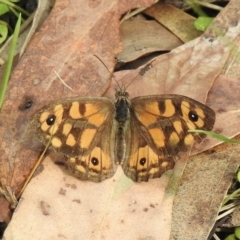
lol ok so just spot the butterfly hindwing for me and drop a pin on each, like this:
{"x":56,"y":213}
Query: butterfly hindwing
{"x":98,"y":165}
{"x":142,"y":162}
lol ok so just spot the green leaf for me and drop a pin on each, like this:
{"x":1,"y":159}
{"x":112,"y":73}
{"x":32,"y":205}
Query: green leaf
{"x":238,"y":176}
{"x":202,"y":23}
{"x":237,"y":232}
{"x":7,"y":70}
{"x":3,"y":33}
{"x":3,"y":8}
{"x":231,"y":237}
{"x":215,"y":135}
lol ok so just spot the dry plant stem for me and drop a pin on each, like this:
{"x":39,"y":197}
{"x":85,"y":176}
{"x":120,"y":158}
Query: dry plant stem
{"x":216,"y":237}
{"x":33,"y":170}
{"x":228,"y":206}
{"x":9,"y":195}
{"x":27,"y":22}
{"x":133,"y":13}
{"x":229,"y":197}
{"x":63,"y":81}
{"x":209,"y":5}
{"x":226,"y":213}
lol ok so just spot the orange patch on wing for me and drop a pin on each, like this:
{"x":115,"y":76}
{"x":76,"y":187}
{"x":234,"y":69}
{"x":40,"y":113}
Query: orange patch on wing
{"x":56,"y":142}
{"x":188,"y":140}
{"x":58,"y":110}
{"x":67,"y":128}
{"x":45,"y":126}
{"x":71,"y":141}
{"x":97,"y":119}
{"x":201,"y":116}
{"x":87,"y":137}
{"x":145,"y":118}
{"x":164,"y":165}
{"x":199,"y":123}
{"x":152,"y":108}
{"x":191,"y":125}
{"x":71,"y":160}
{"x":174,"y":139}
{"x":200,"y":113}
{"x":91,"y":108}
{"x":53,"y":129}
{"x":185,"y":106}
{"x":178,"y":126}
{"x":157,"y":136}
{"x":169,"y":109}
{"x":74,"y":111}
{"x":80,"y":169}
{"x":44,"y":116}
{"x":133,"y":160}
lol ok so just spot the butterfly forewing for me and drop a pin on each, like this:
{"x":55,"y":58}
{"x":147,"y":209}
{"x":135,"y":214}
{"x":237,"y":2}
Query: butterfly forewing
{"x":164,"y":121}
{"x":73,"y":126}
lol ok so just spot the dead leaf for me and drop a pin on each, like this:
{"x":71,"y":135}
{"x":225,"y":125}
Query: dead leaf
{"x":235,"y":220}
{"x":141,"y":37}
{"x":180,"y":23}
{"x":204,"y":184}
{"x":90,"y":210}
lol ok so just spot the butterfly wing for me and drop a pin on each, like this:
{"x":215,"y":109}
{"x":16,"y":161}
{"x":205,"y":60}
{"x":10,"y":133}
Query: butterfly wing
{"x":80,"y":128}
{"x":159,"y":126}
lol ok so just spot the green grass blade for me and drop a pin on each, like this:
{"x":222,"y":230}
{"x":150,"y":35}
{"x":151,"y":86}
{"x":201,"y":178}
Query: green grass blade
{"x":7,"y":71}
{"x":215,"y":135}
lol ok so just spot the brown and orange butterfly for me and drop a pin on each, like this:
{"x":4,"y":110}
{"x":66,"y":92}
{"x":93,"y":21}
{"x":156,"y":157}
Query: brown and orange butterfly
{"x":144,"y":134}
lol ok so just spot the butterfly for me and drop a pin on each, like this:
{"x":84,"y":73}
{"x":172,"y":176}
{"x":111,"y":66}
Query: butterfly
{"x":143,"y":134}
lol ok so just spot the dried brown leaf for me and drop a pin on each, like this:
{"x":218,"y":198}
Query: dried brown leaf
{"x":204,"y":184}
{"x":141,"y":37}
{"x":180,"y":23}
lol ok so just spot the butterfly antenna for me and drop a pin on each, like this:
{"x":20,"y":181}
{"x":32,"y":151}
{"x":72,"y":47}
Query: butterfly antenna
{"x":107,"y":70}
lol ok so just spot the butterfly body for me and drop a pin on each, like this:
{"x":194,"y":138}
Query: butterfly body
{"x":122,"y":115}
{"x":144,"y":134}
